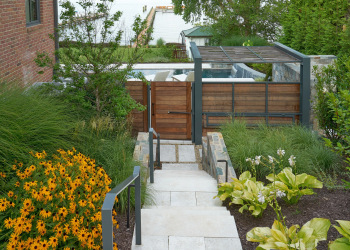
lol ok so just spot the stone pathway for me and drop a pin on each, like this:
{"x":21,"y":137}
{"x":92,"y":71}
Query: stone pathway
{"x":185,"y":215}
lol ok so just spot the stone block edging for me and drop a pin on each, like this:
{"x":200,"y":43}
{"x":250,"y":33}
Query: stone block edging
{"x":214,"y":149}
{"x":141,"y":151}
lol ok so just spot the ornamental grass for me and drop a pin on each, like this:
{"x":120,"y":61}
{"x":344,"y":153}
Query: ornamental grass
{"x":55,"y":203}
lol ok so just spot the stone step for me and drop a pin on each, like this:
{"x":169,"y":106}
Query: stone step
{"x":184,"y":198}
{"x":187,"y":223}
{"x":180,"y":166}
{"x":197,"y":208}
{"x":181,"y":173}
{"x":190,"y":181}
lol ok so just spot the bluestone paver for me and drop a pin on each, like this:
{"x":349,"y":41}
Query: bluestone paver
{"x":186,"y":243}
{"x":206,"y":199}
{"x":179,"y":166}
{"x":183,"y":199}
{"x":186,"y":153}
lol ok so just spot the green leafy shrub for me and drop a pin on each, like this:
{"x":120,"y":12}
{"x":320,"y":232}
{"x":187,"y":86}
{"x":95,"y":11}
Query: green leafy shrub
{"x":281,"y":237}
{"x":55,"y":203}
{"x":316,"y":27}
{"x":332,"y":106}
{"x":237,"y":40}
{"x":160,"y":42}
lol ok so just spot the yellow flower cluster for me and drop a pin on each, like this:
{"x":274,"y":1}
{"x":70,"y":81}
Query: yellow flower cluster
{"x":55,"y":204}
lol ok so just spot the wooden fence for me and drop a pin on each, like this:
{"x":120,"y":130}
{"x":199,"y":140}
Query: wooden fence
{"x":271,"y":103}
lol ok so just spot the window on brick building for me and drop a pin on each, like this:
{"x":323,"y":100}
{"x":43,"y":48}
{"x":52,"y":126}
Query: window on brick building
{"x":32,"y":12}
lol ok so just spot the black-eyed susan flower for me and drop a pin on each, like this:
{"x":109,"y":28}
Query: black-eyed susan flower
{"x":3,"y":204}
{"x":53,"y":242}
{"x":8,"y":223}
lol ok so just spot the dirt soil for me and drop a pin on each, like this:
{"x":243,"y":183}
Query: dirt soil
{"x":123,"y":235}
{"x":329,"y":204}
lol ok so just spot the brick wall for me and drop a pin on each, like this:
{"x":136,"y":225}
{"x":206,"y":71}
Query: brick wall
{"x":19,"y":44}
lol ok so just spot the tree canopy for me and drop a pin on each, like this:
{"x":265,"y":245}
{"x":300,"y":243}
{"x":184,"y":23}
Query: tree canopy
{"x":93,"y":75}
{"x":241,"y":17}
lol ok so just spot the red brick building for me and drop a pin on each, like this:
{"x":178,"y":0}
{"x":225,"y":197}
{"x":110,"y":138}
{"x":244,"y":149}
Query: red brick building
{"x":25,"y":26}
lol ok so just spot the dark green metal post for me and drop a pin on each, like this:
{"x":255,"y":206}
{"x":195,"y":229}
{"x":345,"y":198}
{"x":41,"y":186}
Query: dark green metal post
{"x":151,"y":160}
{"x":306,"y":91}
{"x":197,"y":94}
{"x":149,"y":107}
{"x":138,"y":207}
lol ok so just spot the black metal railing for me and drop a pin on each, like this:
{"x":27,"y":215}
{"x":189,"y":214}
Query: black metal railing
{"x":107,"y":207}
{"x":151,"y":157}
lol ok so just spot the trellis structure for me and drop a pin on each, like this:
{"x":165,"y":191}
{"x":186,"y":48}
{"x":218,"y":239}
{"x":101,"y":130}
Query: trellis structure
{"x":250,"y":54}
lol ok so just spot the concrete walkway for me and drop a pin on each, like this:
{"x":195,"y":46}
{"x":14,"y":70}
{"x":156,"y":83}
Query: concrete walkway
{"x":185,"y":215}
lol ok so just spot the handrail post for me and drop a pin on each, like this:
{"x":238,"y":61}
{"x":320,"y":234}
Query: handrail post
{"x":158,"y":150}
{"x":151,"y":161}
{"x":108,"y":204}
{"x":107,"y":229}
{"x":138,"y":210}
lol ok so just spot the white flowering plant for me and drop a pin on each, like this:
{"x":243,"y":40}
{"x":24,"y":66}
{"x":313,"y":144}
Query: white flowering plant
{"x":252,"y":195}
{"x":294,"y":186}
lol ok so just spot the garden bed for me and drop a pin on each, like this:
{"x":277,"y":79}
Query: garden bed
{"x":329,"y":204}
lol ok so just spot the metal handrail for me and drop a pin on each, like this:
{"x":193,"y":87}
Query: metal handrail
{"x":108,"y":203}
{"x":151,"y":160}
{"x":226,"y":177}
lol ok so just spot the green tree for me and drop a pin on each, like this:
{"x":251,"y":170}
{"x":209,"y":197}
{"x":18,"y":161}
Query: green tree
{"x":93,"y":74}
{"x":317,"y":26}
{"x":241,"y":17}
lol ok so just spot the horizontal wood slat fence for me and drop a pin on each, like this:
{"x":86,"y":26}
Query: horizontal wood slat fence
{"x":258,"y":102}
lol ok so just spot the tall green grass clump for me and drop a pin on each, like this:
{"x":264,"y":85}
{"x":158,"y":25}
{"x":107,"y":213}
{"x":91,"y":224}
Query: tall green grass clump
{"x":31,"y":122}
{"x":109,"y":142}
{"x":311,"y":154}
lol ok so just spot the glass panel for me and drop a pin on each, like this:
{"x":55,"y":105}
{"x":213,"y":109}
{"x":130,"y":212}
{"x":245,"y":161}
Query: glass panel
{"x":27,"y":11}
{"x":32,"y":8}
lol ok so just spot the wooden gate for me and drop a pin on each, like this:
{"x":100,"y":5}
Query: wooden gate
{"x":171,"y":109}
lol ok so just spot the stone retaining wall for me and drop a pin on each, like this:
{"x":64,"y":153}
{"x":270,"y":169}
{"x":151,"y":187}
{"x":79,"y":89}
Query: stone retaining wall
{"x":141,"y":151}
{"x":214,"y":149}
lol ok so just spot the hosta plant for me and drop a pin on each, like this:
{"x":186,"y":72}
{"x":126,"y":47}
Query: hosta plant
{"x":295,"y":186}
{"x":283,"y":238}
{"x":344,"y":242}
{"x":245,"y":191}
{"x":55,"y":203}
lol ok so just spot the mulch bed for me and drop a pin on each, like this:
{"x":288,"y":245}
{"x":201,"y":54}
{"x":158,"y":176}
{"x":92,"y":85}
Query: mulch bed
{"x":123,"y":235}
{"x":329,"y":204}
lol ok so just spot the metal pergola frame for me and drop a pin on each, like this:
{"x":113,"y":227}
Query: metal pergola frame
{"x":278,"y":53}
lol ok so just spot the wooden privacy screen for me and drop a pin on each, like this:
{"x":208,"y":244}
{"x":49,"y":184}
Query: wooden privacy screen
{"x":171,"y":109}
{"x":248,"y":102}
{"x":138,"y":91}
